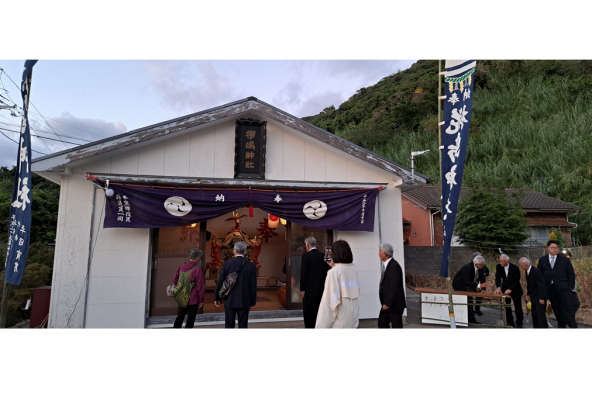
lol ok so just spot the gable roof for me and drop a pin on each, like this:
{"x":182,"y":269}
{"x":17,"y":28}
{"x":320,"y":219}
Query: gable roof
{"x":429,"y":198}
{"x":57,"y":162}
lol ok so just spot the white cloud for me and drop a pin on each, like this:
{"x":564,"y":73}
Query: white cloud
{"x":315,"y":104}
{"x":318,"y":84}
{"x":191,"y":86}
{"x":83,"y":129}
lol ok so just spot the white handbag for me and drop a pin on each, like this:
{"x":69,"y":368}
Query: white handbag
{"x":170,"y":289}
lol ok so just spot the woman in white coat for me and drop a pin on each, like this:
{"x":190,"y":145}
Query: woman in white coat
{"x":339,"y":305}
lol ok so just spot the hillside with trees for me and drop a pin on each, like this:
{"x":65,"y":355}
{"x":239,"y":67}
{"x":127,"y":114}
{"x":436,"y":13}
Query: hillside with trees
{"x":531,"y":127}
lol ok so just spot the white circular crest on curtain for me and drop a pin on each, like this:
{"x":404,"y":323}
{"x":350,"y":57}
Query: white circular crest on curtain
{"x":177,"y":206}
{"x":315,"y":209}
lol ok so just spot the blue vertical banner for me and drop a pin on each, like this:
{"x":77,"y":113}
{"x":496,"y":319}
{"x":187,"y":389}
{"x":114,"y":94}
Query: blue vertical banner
{"x":458,"y":102}
{"x":19,"y":224}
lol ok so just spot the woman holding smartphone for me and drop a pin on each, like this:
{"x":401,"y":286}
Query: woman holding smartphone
{"x":339,"y":305}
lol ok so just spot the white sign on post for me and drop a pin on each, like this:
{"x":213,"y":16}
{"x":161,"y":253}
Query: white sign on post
{"x":438,"y":313}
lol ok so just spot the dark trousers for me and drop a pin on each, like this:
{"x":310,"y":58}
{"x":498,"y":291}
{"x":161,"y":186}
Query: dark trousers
{"x":190,"y":311}
{"x":539,"y":319}
{"x":571,"y":308}
{"x":310,"y":306}
{"x":232,"y":313}
{"x":470,"y":308}
{"x":562,"y":307}
{"x":387,"y":317}
{"x":478,"y":302}
{"x":517,"y":299}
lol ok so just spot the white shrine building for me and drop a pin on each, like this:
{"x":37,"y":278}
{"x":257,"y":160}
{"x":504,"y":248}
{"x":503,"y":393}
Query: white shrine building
{"x":117,"y":277}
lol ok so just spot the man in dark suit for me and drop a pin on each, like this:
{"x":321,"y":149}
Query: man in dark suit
{"x":391,"y":291}
{"x":479,"y":299}
{"x":243,"y":295}
{"x":313,"y":273}
{"x":560,"y":279}
{"x":507,"y":281}
{"x":536,"y":293}
{"x":470,"y":278}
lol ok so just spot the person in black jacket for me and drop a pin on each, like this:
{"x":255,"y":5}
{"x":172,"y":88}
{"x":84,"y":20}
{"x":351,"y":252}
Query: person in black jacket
{"x":560,"y":279}
{"x":391,"y":291}
{"x":536,"y":293}
{"x":243,"y":295}
{"x":479,"y":300}
{"x":469,"y":278}
{"x":507,"y":281}
{"x":313,"y":273}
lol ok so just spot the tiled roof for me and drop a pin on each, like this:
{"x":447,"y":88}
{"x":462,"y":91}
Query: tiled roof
{"x":429,"y":196}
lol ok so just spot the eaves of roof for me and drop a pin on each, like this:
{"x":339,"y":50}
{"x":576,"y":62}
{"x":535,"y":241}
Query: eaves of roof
{"x":231,"y":109}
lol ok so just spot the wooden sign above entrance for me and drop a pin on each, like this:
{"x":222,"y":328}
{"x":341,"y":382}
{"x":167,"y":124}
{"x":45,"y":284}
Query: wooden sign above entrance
{"x":249,"y":149}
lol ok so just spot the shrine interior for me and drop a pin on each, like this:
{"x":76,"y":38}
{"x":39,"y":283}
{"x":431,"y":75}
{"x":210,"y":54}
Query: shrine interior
{"x":171,"y":246}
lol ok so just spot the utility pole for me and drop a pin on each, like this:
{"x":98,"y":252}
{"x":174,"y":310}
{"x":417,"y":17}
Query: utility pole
{"x":540,"y":178}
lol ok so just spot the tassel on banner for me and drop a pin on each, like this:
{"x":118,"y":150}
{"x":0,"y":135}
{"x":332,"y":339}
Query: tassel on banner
{"x":250,"y":210}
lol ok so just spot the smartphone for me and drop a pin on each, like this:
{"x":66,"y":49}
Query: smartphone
{"x":327,"y":253}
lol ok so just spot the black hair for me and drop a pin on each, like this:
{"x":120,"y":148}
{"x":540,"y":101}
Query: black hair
{"x":341,"y":252}
{"x":551,"y":241}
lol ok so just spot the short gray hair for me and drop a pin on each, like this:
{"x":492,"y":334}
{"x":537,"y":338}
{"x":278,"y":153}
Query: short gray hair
{"x":476,"y":254}
{"x":524,"y":260}
{"x":505,"y":257}
{"x":387,"y":249}
{"x":479,"y":260}
{"x":240,"y":247}
{"x":311,"y":241}
{"x":194,"y":253}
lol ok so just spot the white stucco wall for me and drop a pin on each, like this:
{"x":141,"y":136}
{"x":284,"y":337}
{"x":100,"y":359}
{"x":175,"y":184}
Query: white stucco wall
{"x":71,"y":252}
{"x":118,"y":276}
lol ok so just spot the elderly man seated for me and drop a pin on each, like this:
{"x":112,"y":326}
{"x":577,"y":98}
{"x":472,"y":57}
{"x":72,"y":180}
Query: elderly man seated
{"x":471,"y":278}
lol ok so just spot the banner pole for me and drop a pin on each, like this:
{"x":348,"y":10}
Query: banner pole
{"x":6,"y":290}
{"x":448,"y":281}
{"x":4,"y":307}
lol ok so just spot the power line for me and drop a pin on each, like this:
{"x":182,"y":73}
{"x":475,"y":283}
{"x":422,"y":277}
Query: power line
{"x":52,"y":133}
{"x":55,"y":120}
{"x":14,"y":83}
{"x":19,"y":144}
{"x":47,"y":138}
{"x":44,"y":118}
{"x":42,"y":131}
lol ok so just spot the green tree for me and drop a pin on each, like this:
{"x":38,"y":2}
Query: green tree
{"x":491,"y":218}
{"x":38,"y":271}
{"x":556,"y":235}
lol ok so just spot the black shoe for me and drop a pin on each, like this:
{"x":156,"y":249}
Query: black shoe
{"x":520,"y":327}
{"x":479,"y":313}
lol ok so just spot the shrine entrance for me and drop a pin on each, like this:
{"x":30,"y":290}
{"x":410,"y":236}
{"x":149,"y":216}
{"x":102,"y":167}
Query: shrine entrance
{"x":276,"y":251}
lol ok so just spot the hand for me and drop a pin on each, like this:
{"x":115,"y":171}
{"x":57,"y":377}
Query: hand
{"x":527,"y":299}
{"x":301,"y":294}
{"x":384,"y":307}
{"x":508,"y":291}
{"x":252,"y":306}
{"x":497,"y":291}
{"x":542,"y":302}
{"x":330,"y":262}
{"x":217,"y":303}
{"x":199,"y":305}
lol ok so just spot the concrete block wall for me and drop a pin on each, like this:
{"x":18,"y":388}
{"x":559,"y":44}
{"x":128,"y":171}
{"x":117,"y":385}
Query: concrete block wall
{"x":425,"y":260}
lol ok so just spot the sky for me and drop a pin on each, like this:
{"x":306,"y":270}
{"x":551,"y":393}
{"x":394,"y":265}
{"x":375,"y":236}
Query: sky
{"x":90,"y":100}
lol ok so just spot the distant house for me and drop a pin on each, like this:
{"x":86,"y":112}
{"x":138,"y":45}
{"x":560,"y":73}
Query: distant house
{"x":422,"y":220}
